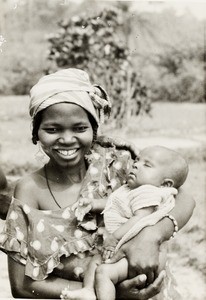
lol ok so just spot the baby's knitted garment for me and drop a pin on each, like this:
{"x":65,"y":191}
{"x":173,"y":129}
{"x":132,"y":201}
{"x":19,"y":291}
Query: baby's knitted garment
{"x":122,"y":204}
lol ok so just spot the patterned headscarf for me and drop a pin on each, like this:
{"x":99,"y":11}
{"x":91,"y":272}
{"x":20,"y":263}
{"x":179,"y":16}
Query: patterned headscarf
{"x":72,"y":86}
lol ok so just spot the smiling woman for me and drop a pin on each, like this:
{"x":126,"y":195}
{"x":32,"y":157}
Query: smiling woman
{"x":48,"y":247}
{"x":63,"y":137}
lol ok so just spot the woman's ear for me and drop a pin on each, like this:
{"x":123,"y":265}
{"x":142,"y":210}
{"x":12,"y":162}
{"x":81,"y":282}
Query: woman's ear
{"x":168,"y":182}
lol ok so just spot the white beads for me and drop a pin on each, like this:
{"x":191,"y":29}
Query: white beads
{"x":175,"y":225}
{"x":64,"y":292}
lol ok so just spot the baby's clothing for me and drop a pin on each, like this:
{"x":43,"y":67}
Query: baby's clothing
{"x":38,"y":239}
{"x":121,"y":206}
{"x":123,"y":202}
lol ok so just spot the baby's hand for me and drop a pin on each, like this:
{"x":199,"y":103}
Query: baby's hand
{"x":109,"y":246}
{"x":82,"y":207}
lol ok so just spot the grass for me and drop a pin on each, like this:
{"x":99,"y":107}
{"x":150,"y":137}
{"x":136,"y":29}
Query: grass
{"x":181,"y":126}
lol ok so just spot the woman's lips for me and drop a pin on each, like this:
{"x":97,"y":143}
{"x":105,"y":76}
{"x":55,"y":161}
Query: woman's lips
{"x":67,"y":153}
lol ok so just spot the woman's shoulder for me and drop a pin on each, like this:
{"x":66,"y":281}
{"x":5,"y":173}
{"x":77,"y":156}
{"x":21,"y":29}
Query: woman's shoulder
{"x":28,"y":187}
{"x":32,"y":179}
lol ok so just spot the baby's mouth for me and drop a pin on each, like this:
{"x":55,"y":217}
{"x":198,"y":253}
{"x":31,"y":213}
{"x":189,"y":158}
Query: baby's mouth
{"x":131,"y":175}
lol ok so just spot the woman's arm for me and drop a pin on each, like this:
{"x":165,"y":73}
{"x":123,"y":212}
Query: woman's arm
{"x":24,"y":287}
{"x":182,"y":212}
{"x":142,"y":251}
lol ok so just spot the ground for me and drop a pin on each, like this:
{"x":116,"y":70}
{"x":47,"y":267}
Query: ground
{"x":179,"y":126}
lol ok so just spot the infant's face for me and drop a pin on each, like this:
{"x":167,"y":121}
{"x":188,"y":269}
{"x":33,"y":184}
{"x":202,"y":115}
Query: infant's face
{"x":148,"y":168}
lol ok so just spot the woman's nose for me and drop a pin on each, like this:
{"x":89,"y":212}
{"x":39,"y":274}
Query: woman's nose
{"x":66,"y":137}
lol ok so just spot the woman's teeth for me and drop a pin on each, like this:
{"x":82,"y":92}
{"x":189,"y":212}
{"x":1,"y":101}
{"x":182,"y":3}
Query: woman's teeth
{"x":67,"y":152}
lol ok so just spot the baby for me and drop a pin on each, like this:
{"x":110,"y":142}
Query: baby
{"x":147,"y":197}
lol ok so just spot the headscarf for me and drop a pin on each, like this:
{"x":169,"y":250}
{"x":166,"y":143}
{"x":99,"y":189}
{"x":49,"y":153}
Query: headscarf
{"x":71,"y":86}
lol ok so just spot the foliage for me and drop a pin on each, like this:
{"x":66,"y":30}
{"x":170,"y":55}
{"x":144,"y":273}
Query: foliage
{"x":23,"y":72}
{"x":95,"y":44}
{"x":23,"y":55}
{"x":166,"y":48}
{"x":181,"y":76}
{"x":173,"y":64}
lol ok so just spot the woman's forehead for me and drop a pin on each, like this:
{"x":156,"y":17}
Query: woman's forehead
{"x":64,"y":111}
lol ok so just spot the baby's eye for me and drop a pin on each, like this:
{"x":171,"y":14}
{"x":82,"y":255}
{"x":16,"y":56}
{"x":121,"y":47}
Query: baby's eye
{"x":147,"y":165}
{"x":136,"y":159}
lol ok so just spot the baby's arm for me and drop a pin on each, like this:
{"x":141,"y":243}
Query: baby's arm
{"x":138,"y":214}
{"x":111,"y":240}
{"x":85,"y":205}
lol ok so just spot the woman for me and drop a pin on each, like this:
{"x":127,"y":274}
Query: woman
{"x":66,"y":111}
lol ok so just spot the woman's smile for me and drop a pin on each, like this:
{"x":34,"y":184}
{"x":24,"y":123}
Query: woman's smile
{"x":65,"y":134}
{"x":67,"y":153}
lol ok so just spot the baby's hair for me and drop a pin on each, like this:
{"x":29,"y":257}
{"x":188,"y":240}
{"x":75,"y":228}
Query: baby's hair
{"x":177,"y":165}
{"x":180,"y":169}
{"x":38,"y":118}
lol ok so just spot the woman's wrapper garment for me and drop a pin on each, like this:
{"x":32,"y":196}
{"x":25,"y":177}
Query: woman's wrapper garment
{"x":40,"y":240}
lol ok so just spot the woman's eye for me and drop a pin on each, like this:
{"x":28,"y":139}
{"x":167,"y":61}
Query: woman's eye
{"x":51,"y":130}
{"x":147,"y":165}
{"x":80,"y":128}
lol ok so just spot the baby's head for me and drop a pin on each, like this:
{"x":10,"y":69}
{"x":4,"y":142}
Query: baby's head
{"x":158,"y":166}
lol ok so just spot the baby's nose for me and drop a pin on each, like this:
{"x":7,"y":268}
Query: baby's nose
{"x":135,"y":165}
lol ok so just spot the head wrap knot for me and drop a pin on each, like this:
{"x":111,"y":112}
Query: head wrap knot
{"x":71,"y":86}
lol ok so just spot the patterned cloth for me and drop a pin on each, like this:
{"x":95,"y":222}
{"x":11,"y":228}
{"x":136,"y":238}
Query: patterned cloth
{"x":39,"y":239}
{"x":43,"y":240}
{"x":122,"y":204}
{"x":54,"y":88}
{"x":71,"y":86}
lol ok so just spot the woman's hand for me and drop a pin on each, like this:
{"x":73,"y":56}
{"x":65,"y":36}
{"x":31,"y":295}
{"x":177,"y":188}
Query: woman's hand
{"x":132,"y":289}
{"x":142,"y":253}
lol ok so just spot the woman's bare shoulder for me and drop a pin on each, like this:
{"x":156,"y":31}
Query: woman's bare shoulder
{"x":28,"y":187}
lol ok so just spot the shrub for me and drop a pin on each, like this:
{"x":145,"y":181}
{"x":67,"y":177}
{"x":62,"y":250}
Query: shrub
{"x":176,"y":76}
{"x":96,"y":45}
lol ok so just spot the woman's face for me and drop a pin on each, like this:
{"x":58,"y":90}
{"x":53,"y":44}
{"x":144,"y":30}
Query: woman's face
{"x":65,"y":134}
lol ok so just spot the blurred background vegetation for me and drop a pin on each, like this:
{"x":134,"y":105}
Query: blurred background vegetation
{"x":141,"y":57}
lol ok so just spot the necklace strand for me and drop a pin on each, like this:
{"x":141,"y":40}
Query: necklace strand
{"x":47,"y":182}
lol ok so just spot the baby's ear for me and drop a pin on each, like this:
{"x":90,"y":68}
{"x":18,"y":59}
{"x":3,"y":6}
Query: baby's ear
{"x":168,"y":182}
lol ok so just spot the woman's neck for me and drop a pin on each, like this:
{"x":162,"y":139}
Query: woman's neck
{"x":66,"y":175}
